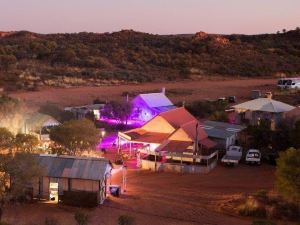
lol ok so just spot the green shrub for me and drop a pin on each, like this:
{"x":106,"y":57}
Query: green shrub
{"x":4,"y":223}
{"x":263,"y":222}
{"x":252,"y":208}
{"x":261,"y":194}
{"x":81,"y":218}
{"x":126,"y":220}
{"x":282,"y":210}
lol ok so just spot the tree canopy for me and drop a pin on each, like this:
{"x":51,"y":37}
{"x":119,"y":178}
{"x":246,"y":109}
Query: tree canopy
{"x":288,"y":174}
{"x":75,"y":136}
{"x":17,"y":171}
{"x":119,"y":111}
{"x":26,"y":142}
{"x":131,"y":56}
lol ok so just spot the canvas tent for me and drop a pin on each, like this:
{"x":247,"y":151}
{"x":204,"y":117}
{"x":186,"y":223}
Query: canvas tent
{"x":262,"y":109}
{"x":38,"y":121}
{"x":264,"y":105}
{"x":39,"y":124}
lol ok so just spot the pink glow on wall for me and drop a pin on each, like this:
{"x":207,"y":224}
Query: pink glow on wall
{"x":133,"y":123}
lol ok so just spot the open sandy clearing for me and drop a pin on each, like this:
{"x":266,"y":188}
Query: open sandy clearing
{"x":181,"y":91}
{"x":164,"y":199}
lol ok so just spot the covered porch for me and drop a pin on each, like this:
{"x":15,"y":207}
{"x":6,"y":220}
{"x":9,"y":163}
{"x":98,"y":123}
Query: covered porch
{"x":155,"y":152}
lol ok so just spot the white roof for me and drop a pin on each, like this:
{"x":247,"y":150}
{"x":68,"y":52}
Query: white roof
{"x":156,"y":99}
{"x":265,"y":105}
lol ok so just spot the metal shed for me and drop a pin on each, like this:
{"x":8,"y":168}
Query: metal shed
{"x":71,"y":174}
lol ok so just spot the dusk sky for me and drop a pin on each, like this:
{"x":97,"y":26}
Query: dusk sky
{"x":153,"y":16}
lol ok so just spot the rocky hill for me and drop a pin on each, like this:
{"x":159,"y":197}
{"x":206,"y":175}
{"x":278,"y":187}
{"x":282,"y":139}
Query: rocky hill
{"x":29,"y":60}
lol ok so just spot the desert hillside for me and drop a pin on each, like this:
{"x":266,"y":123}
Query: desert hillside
{"x":30,"y":60}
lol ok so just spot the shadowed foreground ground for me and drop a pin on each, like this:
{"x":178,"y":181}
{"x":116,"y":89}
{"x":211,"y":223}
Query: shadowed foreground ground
{"x":163,"y":199}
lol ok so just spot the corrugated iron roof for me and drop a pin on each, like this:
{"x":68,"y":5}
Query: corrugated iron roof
{"x":178,"y":117}
{"x":74,"y":167}
{"x":156,"y":99}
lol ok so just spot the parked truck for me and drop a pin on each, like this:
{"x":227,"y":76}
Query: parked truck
{"x":233,"y":155}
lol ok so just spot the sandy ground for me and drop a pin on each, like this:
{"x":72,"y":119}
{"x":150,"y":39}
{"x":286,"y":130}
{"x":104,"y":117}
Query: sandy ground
{"x":163,"y":199}
{"x":185,"y":91}
{"x":159,"y":198}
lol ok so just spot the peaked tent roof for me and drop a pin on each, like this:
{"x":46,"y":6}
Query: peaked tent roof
{"x":264,"y":105}
{"x":38,"y":120}
{"x":156,"y":99}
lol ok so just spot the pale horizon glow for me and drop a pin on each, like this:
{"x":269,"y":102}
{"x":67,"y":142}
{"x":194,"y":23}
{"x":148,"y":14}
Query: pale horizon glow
{"x":151,"y":16}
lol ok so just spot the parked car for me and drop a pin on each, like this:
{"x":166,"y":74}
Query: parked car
{"x":253,"y":156}
{"x":233,"y":155}
{"x":289,"y":82}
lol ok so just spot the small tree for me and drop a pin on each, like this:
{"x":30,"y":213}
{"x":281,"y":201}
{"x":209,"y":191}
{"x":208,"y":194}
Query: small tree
{"x":261,"y":134}
{"x":287,"y":174}
{"x":219,"y":116}
{"x":76,"y":136}
{"x":17,"y":171}
{"x":81,"y":218}
{"x":26,"y":142}
{"x":126,"y":220}
{"x":6,"y":138}
{"x":295,"y":135}
{"x":119,"y":111}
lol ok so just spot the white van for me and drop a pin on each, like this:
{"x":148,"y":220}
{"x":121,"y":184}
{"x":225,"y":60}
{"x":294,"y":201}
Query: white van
{"x":289,"y":83}
{"x":293,"y":83}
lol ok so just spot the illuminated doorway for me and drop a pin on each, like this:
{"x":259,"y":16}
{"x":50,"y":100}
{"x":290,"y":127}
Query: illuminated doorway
{"x":53,"y":191}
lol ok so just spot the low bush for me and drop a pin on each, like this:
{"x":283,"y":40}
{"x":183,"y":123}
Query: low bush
{"x":262,"y":205}
{"x":263,"y":222}
{"x":51,"y":221}
{"x":4,"y":223}
{"x":252,"y":208}
{"x":284,"y":210}
{"x":126,"y":220}
{"x":81,"y":218}
{"x":262,"y":194}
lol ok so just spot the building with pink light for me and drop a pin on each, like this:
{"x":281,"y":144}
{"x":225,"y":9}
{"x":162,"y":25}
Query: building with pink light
{"x":147,"y":106}
{"x":172,"y":138}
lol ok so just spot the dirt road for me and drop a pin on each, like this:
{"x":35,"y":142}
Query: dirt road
{"x":177,"y":91}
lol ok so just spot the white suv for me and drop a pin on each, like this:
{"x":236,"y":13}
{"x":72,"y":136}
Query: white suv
{"x":253,"y":156}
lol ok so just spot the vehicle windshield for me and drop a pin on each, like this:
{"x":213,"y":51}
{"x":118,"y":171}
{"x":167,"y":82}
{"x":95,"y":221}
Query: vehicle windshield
{"x":253,"y":155}
{"x":289,"y":82}
{"x":284,"y":82}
